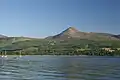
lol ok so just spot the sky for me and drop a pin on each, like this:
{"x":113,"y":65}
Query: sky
{"x":41,"y":18}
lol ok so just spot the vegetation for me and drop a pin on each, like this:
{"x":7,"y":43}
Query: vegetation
{"x":69,"y":42}
{"x":60,"y":47}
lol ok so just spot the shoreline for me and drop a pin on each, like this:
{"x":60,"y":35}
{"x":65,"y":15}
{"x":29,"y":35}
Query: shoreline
{"x":63,"y":55}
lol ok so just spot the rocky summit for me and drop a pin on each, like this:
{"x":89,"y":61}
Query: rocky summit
{"x":73,"y":33}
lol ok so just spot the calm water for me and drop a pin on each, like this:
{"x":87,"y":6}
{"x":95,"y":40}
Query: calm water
{"x":60,"y":68}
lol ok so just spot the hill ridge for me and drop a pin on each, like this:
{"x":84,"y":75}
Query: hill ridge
{"x":73,"y":33}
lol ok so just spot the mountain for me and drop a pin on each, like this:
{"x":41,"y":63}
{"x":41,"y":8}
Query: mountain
{"x":73,"y":33}
{"x":116,"y":36}
{"x":2,"y":36}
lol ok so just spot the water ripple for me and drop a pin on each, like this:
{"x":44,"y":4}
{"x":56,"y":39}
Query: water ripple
{"x":60,"y":68}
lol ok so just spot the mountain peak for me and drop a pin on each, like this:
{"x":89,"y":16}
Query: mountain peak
{"x":73,"y":33}
{"x":71,"y":27}
{"x":71,"y":30}
{"x":68,"y":33}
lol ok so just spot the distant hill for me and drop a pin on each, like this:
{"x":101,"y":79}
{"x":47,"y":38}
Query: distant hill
{"x":116,"y":36}
{"x":73,"y":33}
{"x":2,"y":36}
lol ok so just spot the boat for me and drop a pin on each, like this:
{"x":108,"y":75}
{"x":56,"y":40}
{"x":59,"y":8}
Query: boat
{"x":5,"y":54}
{"x":20,"y":54}
{"x":2,"y":54}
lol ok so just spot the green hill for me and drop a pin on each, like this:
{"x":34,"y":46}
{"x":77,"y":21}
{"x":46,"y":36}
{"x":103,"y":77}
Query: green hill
{"x":70,"y":41}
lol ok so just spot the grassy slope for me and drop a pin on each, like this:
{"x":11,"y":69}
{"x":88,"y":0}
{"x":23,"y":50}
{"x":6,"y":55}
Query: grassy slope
{"x":30,"y":43}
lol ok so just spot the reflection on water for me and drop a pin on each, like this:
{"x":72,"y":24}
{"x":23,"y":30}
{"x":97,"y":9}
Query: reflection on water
{"x":60,"y":68}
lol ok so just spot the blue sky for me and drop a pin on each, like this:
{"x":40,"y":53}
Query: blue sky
{"x":41,"y":18}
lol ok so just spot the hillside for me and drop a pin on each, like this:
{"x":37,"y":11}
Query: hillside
{"x":73,"y":33}
{"x":66,"y":42}
{"x":49,"y":46}
{"x":2,"y":36}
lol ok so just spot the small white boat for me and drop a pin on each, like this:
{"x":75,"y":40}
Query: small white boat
{"x":2,"y":56}
{"x":5,"y":56}
{"x":20,"y":54}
